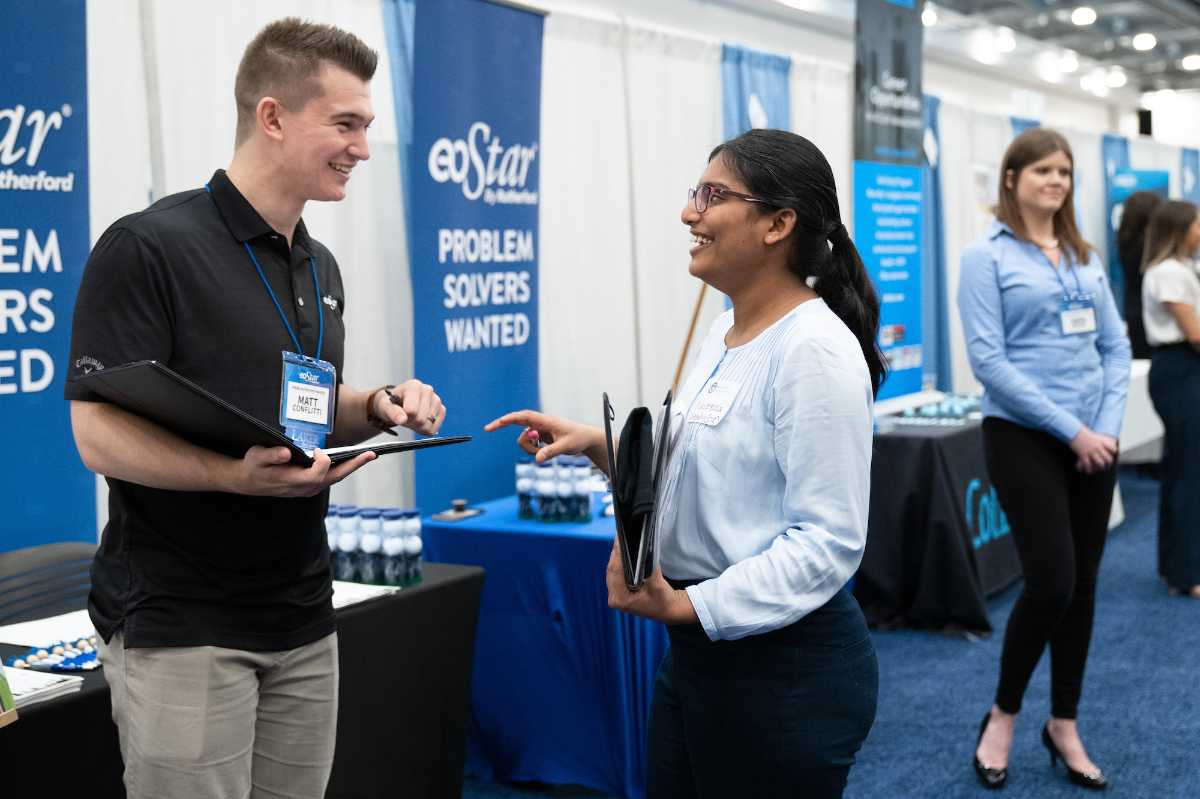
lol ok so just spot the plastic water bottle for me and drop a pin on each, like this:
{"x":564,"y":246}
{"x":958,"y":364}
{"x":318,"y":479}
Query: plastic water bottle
{"x":564,"y":484}
{"x":347,"y":544}
{"x":331,"y":531}
{"x":526,"y":472}
{"x":412,"y":548}
{"x":583,"y":489}
{"x":370,"y":542}
{"x":394,"y":527}
{"x":546,"y":489}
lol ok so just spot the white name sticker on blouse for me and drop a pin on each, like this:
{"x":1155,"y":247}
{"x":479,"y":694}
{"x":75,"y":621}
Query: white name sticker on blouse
{"x":714,"y":402}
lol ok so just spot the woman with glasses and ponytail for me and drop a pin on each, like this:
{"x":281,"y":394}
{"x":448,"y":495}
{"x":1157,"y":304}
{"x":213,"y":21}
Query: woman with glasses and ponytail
{"x":769,"y":687}
{"x":1046,"y":341}
{"x":1171,"y":310}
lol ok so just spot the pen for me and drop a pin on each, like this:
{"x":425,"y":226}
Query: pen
{"x":392,"y":399}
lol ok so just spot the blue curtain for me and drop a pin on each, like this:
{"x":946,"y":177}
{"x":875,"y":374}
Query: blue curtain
{"x":1189,"y":173}
{"x":1114,"y":152}
{"x":935,"y":308}
{"x":399,"y":17}
{"x":755,"y":90}
{"x":1022,"y":124}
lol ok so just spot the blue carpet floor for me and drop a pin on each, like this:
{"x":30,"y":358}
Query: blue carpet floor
{"x":1140,"y":714}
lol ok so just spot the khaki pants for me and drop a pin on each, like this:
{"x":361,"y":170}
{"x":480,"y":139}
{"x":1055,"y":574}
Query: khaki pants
{"x":206,"y":722}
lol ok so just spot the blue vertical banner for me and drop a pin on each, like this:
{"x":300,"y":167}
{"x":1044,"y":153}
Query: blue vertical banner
{"x":1114,"y":154}
{"x":755,"y":91}
{"x":47,"y":494}
{"x":1189,"y":175}
{"x":474,"y":235}
{"x":889,"y":137}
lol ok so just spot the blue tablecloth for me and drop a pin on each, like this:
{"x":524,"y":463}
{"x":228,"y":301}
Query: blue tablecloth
{"x":561,"y":687}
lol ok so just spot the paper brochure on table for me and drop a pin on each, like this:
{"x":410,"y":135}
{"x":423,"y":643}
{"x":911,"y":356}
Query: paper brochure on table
{"x":29,"y":686}
{"x":39,"y":632}
{"x":352,"y":593}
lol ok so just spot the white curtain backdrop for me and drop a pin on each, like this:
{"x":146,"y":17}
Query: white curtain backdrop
{"x":823,"y":112}
{"x":585,"y":259}
{"x":1090,"y":202}
{"x":972,"y":145}
{"x":674,"y":90}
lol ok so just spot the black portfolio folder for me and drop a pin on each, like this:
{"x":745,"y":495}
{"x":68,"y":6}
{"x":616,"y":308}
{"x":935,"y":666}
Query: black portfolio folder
{"x":154,"y":392}
{"x":636,"y":474}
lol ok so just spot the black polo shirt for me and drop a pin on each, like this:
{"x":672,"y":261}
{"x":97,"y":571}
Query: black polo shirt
{"x":174,"y":283}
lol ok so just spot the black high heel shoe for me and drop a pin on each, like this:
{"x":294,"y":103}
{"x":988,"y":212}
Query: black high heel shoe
{"x":1097,"y":781}
{"x":991,"y":778}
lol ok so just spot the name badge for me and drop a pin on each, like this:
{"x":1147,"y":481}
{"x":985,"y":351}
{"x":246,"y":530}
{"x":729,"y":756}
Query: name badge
{"x":1077,"y":314}
{"x":713,"y":402}
{"x":306,"y":400}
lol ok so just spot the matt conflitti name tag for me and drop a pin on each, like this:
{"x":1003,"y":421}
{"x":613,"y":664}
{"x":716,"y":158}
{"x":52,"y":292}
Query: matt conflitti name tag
{"x":714,"y":402}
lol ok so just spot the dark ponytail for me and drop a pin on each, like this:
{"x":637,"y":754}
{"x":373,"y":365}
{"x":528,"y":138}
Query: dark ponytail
{"x":788,"y":171}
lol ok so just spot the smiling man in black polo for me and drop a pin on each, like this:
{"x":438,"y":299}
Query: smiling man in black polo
{"x":211,"y":585}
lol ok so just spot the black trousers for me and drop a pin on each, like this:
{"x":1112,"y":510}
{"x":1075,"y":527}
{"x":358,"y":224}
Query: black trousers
{"x":1175,"y":391}
{"x":780,"y":714}
{"x":1059,"y":522}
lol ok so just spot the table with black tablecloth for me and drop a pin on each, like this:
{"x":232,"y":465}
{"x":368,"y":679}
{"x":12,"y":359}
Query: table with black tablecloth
{"x":562,"y":684}
{"x":405,"y":662}
{"x":938,"y":543}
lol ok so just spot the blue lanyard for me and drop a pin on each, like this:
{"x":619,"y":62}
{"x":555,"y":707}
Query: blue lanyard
{"x":1063,"y":257}
{"x":312,"y":265}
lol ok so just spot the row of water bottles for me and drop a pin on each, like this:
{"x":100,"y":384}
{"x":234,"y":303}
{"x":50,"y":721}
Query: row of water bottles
{"x":379,"y":546}
{"x":557,"y":490}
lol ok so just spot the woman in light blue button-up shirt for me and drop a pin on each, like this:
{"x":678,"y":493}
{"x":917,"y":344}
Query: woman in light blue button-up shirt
{"x":769,"y":687}
{"x":1046,"y":341}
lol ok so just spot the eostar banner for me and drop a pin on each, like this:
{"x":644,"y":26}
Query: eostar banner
{"x":889,"y":128}
{"x":47,"y":495}
{"x":474,"y":211}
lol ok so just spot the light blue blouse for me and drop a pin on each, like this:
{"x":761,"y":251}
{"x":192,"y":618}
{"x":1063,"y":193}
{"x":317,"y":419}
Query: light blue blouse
{"x":1009,"y":297}
{"x":770,"y":502}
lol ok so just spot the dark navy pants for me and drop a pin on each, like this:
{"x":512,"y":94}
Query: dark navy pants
{"x":1175,"y":391}
{"x":780,"y":714}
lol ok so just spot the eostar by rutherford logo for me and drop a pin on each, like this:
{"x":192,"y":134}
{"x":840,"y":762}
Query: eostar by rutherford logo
{"x":498,"y":181}
{"x":22,"y":140}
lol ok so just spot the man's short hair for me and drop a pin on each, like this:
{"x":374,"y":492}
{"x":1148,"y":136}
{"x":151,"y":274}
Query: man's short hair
{"x":283,"y":62}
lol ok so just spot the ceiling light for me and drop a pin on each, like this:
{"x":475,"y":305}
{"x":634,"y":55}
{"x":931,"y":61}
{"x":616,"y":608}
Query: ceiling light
{"x":1083,"y":15}
{"x":1191,"y":62}
{"x":1048,"y":66}
{"x":1116,"y":78}
{"x":1144,"y":41}
{"x":1005,"y":41}
{"x":929,"y":16}
{"x":1068,"y":62}
{"x":981,"y":44}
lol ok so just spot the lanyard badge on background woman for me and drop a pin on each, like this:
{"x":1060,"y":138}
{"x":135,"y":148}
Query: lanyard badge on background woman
{"x":1077,"y":309}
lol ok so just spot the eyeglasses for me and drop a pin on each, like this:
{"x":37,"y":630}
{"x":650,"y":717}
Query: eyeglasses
{"x":702,"y":195}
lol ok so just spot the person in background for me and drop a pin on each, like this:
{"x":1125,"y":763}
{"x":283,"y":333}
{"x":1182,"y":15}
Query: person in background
{"x":770,"y":684}
{"x":1046,"y":341}
{"x":1171,"y":306}
{"x":211,"y":589}
{"x":1131,"y":240}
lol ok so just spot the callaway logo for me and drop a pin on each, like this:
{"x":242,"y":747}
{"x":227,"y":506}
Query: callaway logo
{"x":330,"y":301}
{"x":88,"y":364}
